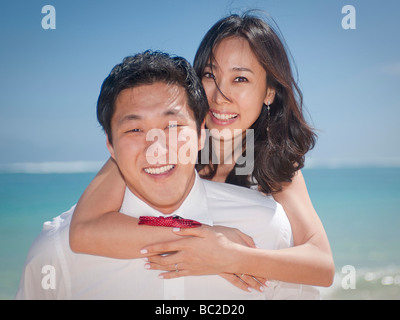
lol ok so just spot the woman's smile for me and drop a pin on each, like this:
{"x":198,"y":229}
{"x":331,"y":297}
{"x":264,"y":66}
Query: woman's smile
{"x":223,"y":118}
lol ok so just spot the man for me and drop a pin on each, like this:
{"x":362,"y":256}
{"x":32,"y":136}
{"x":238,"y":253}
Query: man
{"x":146,"y":96}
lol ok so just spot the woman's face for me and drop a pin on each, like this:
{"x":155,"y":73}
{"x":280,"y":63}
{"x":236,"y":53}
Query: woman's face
{"x":242,"y":87}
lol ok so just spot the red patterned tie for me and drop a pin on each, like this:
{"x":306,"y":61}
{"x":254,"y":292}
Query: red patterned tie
{"x":175,"y":222}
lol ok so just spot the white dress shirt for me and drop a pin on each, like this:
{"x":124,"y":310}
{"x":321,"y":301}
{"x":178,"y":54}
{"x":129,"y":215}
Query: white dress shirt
{"x":53,"y":271}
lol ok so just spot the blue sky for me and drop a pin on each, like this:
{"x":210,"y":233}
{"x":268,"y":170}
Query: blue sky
{"x":50,"y":79}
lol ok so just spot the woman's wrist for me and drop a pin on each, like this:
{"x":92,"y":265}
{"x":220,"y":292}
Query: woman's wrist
{"x":251,"y":261}
{"x":237,"y":257}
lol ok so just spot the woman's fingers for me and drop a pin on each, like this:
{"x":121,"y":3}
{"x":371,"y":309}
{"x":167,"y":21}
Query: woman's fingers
{"x":174,"y":274}
{"x":161,"y":248}
{"x":245,"y":282}
{"x":174,"y":268}
{"x":254,"y":283}
{"x":173,"y":246}
{"x":164,"y":260}
{"x":236,"y":281}
{"x":194,"y":232}
{"x":247,"y":239}
{"x":235,"y":235}
{"x":170,"y":267}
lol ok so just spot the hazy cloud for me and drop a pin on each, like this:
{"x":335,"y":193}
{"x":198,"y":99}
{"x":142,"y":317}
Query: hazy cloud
{"x":391,"y":69}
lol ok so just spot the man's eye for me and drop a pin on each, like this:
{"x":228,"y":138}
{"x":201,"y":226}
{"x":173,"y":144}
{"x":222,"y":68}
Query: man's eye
{"x":134,"y":130}
{"x":172,"y":125}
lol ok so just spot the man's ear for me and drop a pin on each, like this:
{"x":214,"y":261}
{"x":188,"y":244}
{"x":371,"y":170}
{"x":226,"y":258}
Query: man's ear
{"x":110,"y":147}
{"x":203,"y":135}
{"x":269,"y":98}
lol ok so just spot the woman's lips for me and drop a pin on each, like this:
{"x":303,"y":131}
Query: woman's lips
{"x":223,"y":118}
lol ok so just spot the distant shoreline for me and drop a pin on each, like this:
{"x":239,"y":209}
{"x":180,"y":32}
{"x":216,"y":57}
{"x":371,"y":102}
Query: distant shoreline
{"x":94,"y":166}
{"x":52,"y":167}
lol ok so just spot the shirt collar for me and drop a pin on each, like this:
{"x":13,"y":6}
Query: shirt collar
{"x":193,"y":207}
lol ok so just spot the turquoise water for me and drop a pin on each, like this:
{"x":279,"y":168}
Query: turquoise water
{"x":360,"y":209}
{"x":26,"y":201}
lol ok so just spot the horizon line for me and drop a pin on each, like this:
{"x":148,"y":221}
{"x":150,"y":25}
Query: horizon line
{"x":48,"y":167}
{"x":341,"y":163}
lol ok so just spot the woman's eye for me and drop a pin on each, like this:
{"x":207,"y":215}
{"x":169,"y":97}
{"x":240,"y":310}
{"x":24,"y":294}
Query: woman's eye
{"x":208,"y":75}
{"x":241,"y":79}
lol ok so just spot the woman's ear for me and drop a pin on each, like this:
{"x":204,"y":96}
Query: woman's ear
{"x":269,"y":98}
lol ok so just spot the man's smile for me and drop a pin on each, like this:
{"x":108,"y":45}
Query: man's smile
{"x":159,"y":170}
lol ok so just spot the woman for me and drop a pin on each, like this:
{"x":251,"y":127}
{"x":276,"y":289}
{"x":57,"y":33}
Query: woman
{"x":249,"y":85}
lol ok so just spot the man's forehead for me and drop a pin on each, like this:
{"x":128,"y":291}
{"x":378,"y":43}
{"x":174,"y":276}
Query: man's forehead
{"x":161,"y":94}
{"x":158,"y":98}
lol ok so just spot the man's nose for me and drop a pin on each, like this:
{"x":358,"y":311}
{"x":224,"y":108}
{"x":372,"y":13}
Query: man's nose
{"x":157,"y":148}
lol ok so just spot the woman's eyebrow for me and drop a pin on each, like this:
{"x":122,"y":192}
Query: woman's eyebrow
{"x":211,"y":66}
{"x":238,"y":68}
{"x":242,"y":69}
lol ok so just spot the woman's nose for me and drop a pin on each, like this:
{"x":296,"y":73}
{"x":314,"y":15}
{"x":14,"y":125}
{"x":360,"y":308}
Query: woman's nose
{"x":220,"y":93}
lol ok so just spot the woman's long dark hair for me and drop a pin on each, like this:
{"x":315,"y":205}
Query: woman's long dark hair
{"x":280,"y":151}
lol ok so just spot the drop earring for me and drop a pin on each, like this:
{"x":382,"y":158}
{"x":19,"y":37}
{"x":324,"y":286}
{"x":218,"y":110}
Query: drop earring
{"x":268,"y":115}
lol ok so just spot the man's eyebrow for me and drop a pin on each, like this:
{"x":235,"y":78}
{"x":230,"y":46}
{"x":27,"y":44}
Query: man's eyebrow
{"x":129,"y":117}
{"x":174,"y":111}
{"x":169,"y":112}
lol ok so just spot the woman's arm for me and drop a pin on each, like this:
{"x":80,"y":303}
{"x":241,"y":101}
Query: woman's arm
{"x":98,"y":228}
{"x":308,"y":262}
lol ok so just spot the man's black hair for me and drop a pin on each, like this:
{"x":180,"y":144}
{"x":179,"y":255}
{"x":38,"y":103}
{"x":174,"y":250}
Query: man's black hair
{"x":147,"y":68}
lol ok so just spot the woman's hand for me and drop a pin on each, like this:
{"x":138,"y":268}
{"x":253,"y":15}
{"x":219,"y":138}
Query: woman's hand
{"x":201,"y":251}
{"x":246,"y":282}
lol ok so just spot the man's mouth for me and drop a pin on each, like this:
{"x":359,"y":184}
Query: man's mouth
{"x":159,"y":170}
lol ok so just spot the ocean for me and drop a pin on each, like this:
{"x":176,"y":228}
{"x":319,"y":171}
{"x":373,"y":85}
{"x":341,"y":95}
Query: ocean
{"x":359,"y":207}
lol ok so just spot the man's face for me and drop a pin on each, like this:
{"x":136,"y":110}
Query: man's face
{"x":155,"y":143}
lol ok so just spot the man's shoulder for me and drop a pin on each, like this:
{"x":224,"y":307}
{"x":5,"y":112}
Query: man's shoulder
{"x":44,"y":242}
{"x":59,"y":222}
{"x":236,"y":194}
{"x":43,"y":262}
